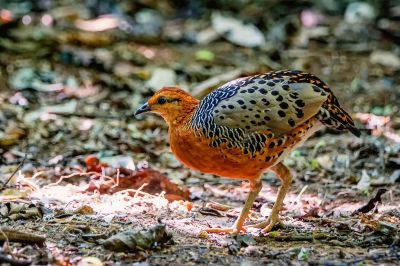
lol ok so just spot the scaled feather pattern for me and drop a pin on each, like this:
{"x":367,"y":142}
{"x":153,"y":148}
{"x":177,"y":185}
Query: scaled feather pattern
{"x":247,"y":126}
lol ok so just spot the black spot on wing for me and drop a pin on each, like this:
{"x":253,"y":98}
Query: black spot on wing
{"x":281,"y":113}
{"x":284,"y":105}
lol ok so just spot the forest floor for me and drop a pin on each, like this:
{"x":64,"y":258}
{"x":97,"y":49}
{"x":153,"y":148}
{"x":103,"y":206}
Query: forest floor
{"x":67,"y":99}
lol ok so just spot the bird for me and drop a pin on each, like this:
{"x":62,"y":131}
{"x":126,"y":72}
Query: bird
{"x":246,"y":127}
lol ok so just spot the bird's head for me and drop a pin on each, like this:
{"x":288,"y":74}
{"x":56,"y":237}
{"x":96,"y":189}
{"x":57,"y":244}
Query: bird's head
{"x":172,"y":103}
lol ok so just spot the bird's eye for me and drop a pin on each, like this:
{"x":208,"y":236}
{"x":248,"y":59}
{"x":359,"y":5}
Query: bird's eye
{"x":161,"y":100}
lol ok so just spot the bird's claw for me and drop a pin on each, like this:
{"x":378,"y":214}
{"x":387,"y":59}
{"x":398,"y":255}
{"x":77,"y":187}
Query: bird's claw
{"x":274,"y":220}
{"x":227,"y":230}
{"x":268,"y":224}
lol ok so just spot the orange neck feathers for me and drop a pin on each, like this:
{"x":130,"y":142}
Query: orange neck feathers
{"x":174,"y":104}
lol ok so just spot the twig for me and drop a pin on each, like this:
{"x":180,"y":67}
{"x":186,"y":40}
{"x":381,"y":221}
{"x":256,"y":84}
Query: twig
{"x":135,"y":191}
{"x":72,"y":175}
{"x":92,"y":116}
{"x":13,"y":235}
{"x":218,"y":206}
{"x":372,"y":203}
{"x":139,"y":190}
{"x":15,"y":171}
{"x":211,"y":212}
{"x":301,"y":193}
{"x":292,"y":237}
{"x":204,"y":87}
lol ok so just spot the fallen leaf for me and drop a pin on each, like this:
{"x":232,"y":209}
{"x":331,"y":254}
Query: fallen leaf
{"x":85,"y":209}
{"x":138,"y":240}
{"x":102,"y":23}
{"x":236,"y":31}
{"x":149,"y":180}
{"x":64,"y":108}
{"x":161,"y":77}
{"x":385,"y":58}
{"x":90,"y":261}
{"x":364,"y":182}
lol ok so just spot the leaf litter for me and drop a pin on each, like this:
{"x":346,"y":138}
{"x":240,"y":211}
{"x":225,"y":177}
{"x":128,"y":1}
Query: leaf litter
{"x":70,"y":80}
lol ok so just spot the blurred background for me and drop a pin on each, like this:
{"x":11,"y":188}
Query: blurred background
{"x":72,"y":72}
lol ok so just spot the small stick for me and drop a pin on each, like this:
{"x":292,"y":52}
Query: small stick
{"x":372,"y":203}
{"x":301,"y":193}
{"x":135,"y":191}
{"x":139,"y":190}
{"x":291,"y":237}
{"x":218,"y":206}
{"x":92,"y":116}
{"x":79,"y":174}
{"x":203,"y":88}
{"x":13,"y":235}
{"x":15,"y":171}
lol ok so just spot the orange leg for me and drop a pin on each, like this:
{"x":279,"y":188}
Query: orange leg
{"x":286,"y":178}
{"x":255,"y":187}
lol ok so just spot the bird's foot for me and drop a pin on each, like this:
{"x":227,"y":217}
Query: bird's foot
{"x":273,"y":220}
{"x":226,"y":230}
{"x":268,"y":224}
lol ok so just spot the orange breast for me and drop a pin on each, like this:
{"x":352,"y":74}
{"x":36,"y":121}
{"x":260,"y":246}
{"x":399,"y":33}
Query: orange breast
{"x":195,"y":153}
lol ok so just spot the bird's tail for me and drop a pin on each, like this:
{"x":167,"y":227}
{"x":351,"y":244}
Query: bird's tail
{"x":333,"y":116}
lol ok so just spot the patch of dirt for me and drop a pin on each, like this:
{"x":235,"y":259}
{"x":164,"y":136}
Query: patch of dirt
{"x":80,"y":168}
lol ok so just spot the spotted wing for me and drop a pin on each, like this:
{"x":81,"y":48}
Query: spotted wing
{"x":261,"y":104}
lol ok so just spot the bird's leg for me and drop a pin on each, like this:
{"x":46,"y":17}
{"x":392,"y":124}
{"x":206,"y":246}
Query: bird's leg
{"x":285,"y":176}
{"x":255,"y":187}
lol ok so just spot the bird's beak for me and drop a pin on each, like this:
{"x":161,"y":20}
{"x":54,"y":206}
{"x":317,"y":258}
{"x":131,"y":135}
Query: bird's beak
{"x":143,"y":109}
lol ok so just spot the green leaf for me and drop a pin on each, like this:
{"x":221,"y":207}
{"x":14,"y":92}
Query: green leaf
{"x":205,"y":55}
{"x":303,"y":255}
